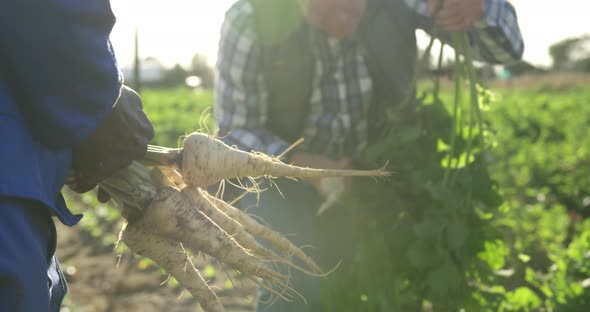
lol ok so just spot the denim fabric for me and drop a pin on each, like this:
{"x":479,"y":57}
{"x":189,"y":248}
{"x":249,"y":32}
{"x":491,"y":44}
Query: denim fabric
{"x":58,"y":81}
{"x":57,"y":285}
{"x":292,"y":212}
{"x":30,"y":278}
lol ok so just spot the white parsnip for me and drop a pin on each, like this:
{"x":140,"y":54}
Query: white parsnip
{"x":214,"y":208}
{"x":172,"y":215}
{"x":172,"y":258}
{"x":257,"y":229}
{"x":207,"y":160}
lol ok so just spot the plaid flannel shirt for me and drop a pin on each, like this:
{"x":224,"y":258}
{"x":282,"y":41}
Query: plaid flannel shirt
{"x":337,"y":121}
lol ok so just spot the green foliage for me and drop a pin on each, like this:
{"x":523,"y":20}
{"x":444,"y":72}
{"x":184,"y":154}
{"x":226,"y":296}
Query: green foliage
{"x":176,"y":112}
{"x":101,"y":222}
{"x":433,"y":220}
{"x":542,"y":164}
{"x":543,"y":148}
{"x":426,"y":234}
{"x":515,"y":239}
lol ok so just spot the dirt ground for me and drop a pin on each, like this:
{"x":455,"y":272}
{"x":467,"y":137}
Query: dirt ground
{"x":96,"y":283}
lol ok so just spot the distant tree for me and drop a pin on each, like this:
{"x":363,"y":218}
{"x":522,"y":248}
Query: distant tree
{"x":583,"y":65}
{"x":200,"y":67}
{"x":175,"y":76}
{"x":522,"y":67}
{"x":152,"y":60}
{"x":569,"y":53}
{"x":151,"y":73}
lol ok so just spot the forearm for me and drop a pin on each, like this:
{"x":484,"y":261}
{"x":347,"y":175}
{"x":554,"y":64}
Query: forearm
{"x":254,"y":139}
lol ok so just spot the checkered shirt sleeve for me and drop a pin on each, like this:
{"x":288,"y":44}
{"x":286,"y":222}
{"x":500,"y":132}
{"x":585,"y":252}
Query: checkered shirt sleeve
{"x":496,"y":37}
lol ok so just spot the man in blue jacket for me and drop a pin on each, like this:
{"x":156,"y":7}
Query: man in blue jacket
{"x":62,"y":109}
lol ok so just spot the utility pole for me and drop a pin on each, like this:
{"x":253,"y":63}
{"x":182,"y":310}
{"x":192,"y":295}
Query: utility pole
{"x":137,"y":63}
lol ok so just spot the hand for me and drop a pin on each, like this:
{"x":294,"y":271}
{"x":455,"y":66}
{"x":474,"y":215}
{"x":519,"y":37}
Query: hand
{"x":101,"y":195}
{"x":321,"y":162}
{"x":121,"y":138}
{"x":456,"y":15}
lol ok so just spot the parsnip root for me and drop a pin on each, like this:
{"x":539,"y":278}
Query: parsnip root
{"x":170,"y":257}
{"x":207,"y":160}
{"x":243,"y":234}
{"x":172,"y":215}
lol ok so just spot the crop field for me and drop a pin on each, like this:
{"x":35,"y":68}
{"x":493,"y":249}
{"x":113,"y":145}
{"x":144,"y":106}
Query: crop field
{"x":504,"y":229}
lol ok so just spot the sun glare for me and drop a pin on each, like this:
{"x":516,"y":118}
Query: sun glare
{"x":172,"y":31}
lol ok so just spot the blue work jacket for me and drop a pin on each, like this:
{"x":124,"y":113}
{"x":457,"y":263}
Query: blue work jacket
{"x":58,"y":80}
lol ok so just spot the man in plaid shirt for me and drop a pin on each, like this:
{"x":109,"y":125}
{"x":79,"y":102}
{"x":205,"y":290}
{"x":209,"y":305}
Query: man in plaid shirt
{"x":350,"y":44}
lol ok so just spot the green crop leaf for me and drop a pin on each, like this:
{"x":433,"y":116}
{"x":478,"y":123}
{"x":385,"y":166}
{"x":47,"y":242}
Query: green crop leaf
{"x":420,"y":255}
{"x":524,"y":258}
{"x":494,"y":254}
{"x":457,"y":233}
{"x":522,"y":299}
{"x":429,"y":228}
{"x":444,"y":279}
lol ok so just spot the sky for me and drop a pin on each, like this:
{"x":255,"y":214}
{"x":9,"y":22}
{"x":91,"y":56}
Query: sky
{"x":174,"y":30}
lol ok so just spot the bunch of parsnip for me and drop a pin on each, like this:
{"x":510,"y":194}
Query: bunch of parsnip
{"x":163,"y":197}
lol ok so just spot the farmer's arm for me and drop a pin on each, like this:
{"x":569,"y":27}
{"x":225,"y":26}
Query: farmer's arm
{"x":492,"y":25}
{"x":59,"y":59}
{"x":241,"y":97}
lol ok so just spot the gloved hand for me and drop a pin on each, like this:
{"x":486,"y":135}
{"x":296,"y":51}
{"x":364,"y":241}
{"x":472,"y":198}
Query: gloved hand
{"x":121,"y":138}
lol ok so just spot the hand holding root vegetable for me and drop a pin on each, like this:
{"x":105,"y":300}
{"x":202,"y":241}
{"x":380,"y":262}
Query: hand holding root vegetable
{"x":330,"y":188}
{"x":334,"y":188}
{"x":122,"y":137}
{"x":166,"y":213}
